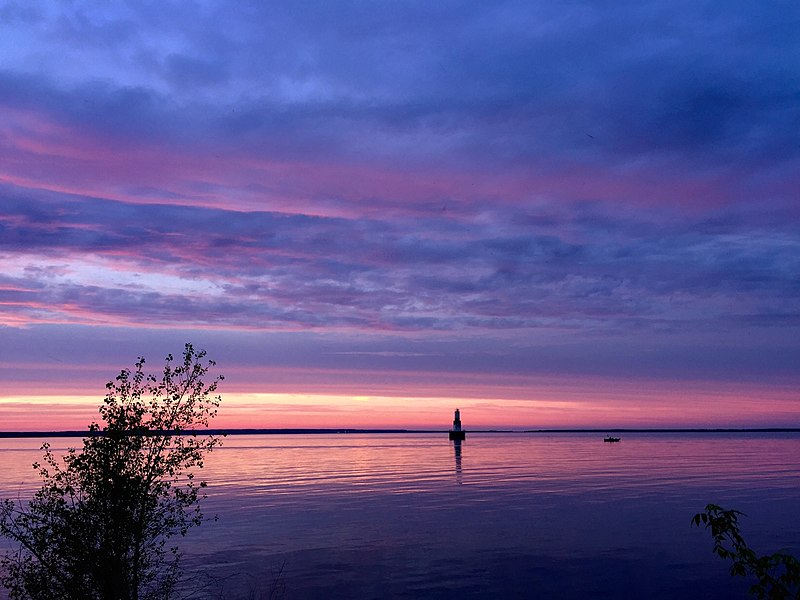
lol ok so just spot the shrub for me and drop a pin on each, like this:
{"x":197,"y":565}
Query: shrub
{"x":101,"y":525}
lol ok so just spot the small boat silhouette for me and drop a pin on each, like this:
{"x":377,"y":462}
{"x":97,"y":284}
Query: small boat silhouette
{"x":609,"y":438}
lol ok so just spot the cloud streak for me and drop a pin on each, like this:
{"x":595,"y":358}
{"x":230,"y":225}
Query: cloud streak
{"x":95,"y":260}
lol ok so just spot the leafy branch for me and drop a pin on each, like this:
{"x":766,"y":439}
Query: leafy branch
{"x":777,"y":575}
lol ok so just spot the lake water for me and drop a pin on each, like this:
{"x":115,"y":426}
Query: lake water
{"x":502,"y":516}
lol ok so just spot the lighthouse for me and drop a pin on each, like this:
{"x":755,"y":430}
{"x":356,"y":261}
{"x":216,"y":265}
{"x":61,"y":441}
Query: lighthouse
{"x":456,"y":433}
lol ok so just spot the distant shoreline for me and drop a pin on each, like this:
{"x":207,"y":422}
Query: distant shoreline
{"x":343,"y":431}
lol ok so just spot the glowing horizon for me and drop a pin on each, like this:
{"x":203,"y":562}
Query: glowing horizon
{"x":589,"y":405}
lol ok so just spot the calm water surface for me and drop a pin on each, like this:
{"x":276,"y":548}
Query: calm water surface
{"x":501,"y":516}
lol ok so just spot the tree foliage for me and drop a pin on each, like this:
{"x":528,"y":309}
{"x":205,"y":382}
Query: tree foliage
{"x":777,"y":575}
{"x":101,"y":525}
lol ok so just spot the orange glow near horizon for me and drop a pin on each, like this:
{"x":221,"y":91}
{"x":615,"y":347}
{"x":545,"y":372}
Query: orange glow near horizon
{"x":545,"y":406}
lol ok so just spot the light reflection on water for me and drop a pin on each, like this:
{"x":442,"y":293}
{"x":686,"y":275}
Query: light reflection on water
{"x":503,"y":515}
{"x":562,"y":463}
{"x":515,"y":515}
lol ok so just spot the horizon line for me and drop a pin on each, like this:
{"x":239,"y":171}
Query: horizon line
{"x":351,"y":430}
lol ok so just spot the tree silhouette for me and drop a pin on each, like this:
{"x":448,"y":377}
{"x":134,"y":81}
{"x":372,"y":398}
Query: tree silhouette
{"x":100,"y":527}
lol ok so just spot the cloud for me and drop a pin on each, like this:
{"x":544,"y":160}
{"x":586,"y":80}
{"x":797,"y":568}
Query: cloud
{"x":497,"y":87}
{"x":535,"y":182}
{"x":96,"y":261}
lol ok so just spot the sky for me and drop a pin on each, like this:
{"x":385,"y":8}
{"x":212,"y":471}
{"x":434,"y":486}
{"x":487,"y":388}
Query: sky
{"x":548,"y":214}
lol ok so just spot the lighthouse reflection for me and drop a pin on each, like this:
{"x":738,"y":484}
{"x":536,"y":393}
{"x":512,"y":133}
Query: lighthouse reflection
{"x":457,"y":451}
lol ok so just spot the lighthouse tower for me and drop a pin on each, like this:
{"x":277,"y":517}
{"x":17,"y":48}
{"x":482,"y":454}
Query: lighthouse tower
{"x":456,"y":433}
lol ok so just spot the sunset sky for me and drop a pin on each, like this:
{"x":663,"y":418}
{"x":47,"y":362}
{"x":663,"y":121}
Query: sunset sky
{"x":579,"y":214}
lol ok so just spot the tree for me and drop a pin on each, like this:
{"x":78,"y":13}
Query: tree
{"x":101,"y":525}
{"x":778,"y":574}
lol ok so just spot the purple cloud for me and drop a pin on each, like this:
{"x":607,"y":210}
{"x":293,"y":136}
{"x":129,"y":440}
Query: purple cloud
{"x":163,"y":264}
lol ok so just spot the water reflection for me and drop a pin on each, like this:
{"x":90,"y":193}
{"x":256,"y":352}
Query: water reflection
{"x":564,"y":515}
{"x":457,"y":451}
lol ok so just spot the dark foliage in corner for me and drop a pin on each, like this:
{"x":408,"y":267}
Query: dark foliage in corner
{"x":777,"y":575}
{"x":101,"y":525}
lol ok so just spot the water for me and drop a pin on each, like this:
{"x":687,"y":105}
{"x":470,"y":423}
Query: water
{"x":501,"y":516}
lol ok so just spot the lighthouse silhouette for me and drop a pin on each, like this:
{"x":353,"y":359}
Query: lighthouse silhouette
{"x":456,"y":433}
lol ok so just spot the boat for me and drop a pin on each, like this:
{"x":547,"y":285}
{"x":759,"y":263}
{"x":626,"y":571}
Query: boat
{"x":456,"y":433}
{"x":609,"y":438}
